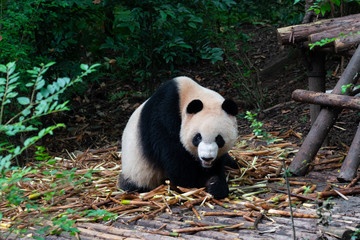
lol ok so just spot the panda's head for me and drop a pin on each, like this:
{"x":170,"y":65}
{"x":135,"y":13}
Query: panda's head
{"x":209,"y":128}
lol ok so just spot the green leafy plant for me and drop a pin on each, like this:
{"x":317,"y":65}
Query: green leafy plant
{"x":257,"y":127}
{"x":347,"y":87}
{"x":35,"y":31}
{"x":24,"y":112}
{"x":356,"y":234}
{"x":325,"y":6}
{"x":176,"y":34}
{"x":20,"y":115}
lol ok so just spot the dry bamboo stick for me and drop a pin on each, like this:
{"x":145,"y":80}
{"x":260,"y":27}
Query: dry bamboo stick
{"x":205,"y":228}
{"x":311,"y":198}
{"x":346,"y":191}
{"x":237,"y":213}
{"x":96,"y":234}
{"x":287,"y":214}
{"x":354,"y":181}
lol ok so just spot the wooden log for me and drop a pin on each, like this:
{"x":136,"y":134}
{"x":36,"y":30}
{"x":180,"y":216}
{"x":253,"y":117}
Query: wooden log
{"x":326,"y":99}
{"x":351,"y":163}
{"x":343,"y":44}
{"x":324,"y":121}
{"x":334,"y":33}
{"x":300,"y":33}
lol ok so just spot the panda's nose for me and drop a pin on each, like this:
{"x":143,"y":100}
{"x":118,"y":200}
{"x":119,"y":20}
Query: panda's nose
{"x":206,"y":159}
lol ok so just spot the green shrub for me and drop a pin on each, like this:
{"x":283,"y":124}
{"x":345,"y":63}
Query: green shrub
{"x":152,"y":38}
{"x":145,"y":41}
{"x":21,"y":114}
{"x":36,"y":31}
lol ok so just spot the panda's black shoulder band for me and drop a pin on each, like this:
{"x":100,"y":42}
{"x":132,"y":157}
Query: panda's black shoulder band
{"x":230,"y":107}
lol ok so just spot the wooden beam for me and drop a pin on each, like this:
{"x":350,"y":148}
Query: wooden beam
{"x":326,"y":99}
{"x":324,"y":121}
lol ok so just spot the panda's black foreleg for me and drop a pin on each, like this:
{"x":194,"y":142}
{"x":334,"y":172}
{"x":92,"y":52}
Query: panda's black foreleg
{"x":230,"y":162}
{"x":217,"y":187}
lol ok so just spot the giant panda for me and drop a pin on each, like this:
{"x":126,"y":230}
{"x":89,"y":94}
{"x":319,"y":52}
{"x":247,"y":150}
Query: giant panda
{"x":182,"y":133}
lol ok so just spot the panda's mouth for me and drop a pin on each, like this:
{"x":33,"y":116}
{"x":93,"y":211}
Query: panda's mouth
{"x":207,"y":163}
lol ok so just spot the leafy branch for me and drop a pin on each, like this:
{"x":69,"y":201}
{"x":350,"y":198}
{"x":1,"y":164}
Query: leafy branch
{"x":43,"y":100}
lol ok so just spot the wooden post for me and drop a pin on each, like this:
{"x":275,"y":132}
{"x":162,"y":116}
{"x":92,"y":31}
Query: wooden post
{"x":316,"y":79}
{"x":324,"y":121}
{"x":352,"y":161}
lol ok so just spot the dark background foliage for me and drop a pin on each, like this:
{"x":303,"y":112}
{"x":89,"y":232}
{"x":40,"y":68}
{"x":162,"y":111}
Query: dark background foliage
{"x":142,"y":41}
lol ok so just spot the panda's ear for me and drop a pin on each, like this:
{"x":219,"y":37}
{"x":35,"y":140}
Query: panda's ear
{"x":194,"y":106}
{"x":230,"y":107}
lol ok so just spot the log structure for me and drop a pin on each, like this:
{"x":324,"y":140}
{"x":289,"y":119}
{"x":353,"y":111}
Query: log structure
{"x":345,"y":29}
{"x":343,"y":35}
{"x":324,"y":121}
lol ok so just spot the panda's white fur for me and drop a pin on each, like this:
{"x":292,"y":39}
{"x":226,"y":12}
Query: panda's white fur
{"x":140,"y":171}
{"x":134,"y":164}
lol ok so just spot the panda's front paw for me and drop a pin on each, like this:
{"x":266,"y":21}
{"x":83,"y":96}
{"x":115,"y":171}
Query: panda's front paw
{"x":217,"y":187}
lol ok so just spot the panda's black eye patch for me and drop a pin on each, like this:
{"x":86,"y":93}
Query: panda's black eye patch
{"x":194,"y":106}
{"x":197,"y":139}
{"x":219,"y":141}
